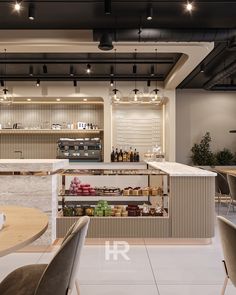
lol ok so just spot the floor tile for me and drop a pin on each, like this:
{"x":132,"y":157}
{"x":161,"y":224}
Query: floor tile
{"x":194,"y":290}
{"x":119,"y":290}
{"x":95,"y":269}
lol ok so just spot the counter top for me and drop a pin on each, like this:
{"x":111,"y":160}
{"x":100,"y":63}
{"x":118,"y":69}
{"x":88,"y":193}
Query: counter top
{"x":177,"y":169}
{"x":32,"y":165}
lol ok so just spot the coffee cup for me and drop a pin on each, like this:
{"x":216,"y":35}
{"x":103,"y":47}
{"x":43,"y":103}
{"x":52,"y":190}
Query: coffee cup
{"x":2,"y":220}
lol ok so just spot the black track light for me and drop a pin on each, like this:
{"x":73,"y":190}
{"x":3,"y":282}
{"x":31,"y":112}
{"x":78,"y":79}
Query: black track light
{"x":31,"y":71}
{"x":45,"y":69}
{"x":2,"y":83}
{"x":148,"y":83}
{"x":31,"y":11}
{"x":112,"y":71}
{"x":134,"y":69}
{"x":149,"y":13}
{"x":75,"y":83}
{"x":38,"y":83}
{"x":105,"y":42}
{"x":107,"y":6}
{"x":152,"y":71}
{"x":71,"y":71}
{"x":112,"y":82}
{"x":202,"y":68}
{"x":88,"y":70}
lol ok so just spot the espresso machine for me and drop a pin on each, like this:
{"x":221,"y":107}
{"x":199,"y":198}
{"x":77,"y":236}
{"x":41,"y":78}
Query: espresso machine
{"x":80,"y":149}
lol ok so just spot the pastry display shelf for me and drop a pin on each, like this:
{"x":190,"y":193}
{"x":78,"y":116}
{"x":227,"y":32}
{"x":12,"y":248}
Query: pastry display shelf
{"x":106,"y":172}
{"x":49,"y":131}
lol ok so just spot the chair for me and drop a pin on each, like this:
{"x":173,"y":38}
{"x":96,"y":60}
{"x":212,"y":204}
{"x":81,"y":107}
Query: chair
{"x":228,"y":240}
{"x":232,"y":188}
{"x":222,"y":187}
{"x":59,"y":276}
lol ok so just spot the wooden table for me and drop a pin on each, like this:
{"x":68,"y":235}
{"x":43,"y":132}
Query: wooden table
{"x":230,"y":171}
{"x":22,"y":227}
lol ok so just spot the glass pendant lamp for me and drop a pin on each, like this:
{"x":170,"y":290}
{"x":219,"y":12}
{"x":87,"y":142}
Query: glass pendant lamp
{"x":5,"y":96}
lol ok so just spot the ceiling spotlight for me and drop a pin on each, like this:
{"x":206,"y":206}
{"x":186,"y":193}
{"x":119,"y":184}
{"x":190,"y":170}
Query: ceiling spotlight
{"x":71,"y":71}
{"x":38,"y":83}
{"x":31,"y":71}
{"x":189,"y":6}
{"x":45,"y":69}
{"x":202,"y":68}
{"x":134,"y":69}
{"x":148,"y":83}
{"x":17,"y":6}
{"x":84,"y":99}
{"x":88,"y":70}
{"x":31,"y":11}
{"x":2,"y":83}
{"x":112,"y":71}
{"x":105,"y":42}
{"x":112,"y":82}
{"x":149,"y":13}
{"x":107,"y":6}
{"x":152,"y":71}
{"x":58,"y":99}
{"x":75,"y":83}
{"x":28,"y":99}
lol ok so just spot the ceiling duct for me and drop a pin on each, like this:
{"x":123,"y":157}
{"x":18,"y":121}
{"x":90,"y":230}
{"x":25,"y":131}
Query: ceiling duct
{"x":227,"y":72}
{"x":169,"y":35}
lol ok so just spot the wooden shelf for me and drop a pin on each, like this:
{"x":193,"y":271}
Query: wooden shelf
{"x":49,"y":131}
{"x":105,"y":198}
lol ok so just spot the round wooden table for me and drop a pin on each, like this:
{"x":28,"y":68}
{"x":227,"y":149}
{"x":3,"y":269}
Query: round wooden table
{"x":23,"y":226}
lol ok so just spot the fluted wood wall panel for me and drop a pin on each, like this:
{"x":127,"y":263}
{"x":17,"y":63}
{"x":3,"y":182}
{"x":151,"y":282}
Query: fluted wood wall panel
{"x":131,"y":227}
{"x":42,"y":116}
{"x":192,"y":207}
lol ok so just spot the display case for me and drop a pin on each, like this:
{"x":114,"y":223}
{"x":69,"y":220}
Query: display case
{"x":117,"y":210}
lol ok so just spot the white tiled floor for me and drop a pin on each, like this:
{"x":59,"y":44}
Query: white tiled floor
{"x":151,"y":270}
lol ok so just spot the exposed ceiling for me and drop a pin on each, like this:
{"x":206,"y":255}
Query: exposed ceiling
{"x":125,"y":14}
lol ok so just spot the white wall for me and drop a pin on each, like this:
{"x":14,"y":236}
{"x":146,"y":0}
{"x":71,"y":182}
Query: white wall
{"x":199,"y":111}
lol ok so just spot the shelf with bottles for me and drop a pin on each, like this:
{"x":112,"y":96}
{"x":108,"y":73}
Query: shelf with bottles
{"x":124,"y":155}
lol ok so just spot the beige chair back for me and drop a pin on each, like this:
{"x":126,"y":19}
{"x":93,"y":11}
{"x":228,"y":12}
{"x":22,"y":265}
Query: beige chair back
{"x":228,"y":239}
{"x":232,"y":186}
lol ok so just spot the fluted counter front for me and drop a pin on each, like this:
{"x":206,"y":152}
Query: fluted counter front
{"x":192,"y":205}
{"x":32,"y":183}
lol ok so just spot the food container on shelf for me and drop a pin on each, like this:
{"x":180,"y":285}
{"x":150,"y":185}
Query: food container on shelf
{"x":145,"y":191}
{"x":89,"y":211}
{"x":154,"y":191}
{"x":79,"y":211}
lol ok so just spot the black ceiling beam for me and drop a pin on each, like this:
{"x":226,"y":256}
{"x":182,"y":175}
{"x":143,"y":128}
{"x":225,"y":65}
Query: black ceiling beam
{"x":124,"y":1}
{"x":85,"y":61}
{"x":81,"y":78}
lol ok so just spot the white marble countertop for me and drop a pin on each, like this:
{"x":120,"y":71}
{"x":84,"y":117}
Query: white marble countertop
{"x":32,"y":165}
{"x":177,"y":169}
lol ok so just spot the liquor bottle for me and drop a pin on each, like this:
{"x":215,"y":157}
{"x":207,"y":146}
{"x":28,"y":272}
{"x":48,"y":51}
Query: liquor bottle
{"x":125,"y":156}
{"x":113,"y":155}
{"x":135,"y":155}
{"x":116,"y":155}
{"x":128,"y":156}
{"x":131,"y":155}
{"x":120,"y":158}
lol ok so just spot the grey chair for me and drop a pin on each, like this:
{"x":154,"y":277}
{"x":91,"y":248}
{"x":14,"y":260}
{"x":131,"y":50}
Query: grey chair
{"x":228,"y":240}
{"x":222,"y":187}
{"x":232,"y":188}
{"x":59,"y":276}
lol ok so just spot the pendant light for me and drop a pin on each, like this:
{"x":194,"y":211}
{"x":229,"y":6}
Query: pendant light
{"x":6,"y":97}
{"x":154,"y":94}
{"x":116,"y":95}
{"x":135,"y":93}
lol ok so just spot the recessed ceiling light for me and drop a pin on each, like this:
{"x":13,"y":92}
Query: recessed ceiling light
{"x":84,"y":99}
{"x":88,"y":70}
{"x":189,"y":6}
{"x":28,"y":99}
{"x":58,"y":99}
{"x":17,"y":6}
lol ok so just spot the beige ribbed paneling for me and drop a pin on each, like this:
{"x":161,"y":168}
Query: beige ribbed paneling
{"x":192,"y":207}
{"x":109,"y":227}
{"x":42,"y":145}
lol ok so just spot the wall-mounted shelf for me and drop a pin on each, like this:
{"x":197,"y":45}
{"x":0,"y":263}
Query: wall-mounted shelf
{"x":49,"y":131}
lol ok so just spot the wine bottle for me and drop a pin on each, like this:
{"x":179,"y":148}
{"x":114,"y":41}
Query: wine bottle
{"x":116,"y":155}
{"x":113,"y":155}
{"x":135,"y":155}
{"x":131,"y":155}
{"x":120,"y":158}
{"x":125,"y":156}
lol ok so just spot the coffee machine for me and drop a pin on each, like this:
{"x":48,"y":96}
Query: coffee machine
{"x":80,"y":149}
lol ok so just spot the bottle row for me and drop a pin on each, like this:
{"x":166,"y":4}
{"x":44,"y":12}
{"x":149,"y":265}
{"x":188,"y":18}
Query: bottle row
{"x":124,"y":156}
